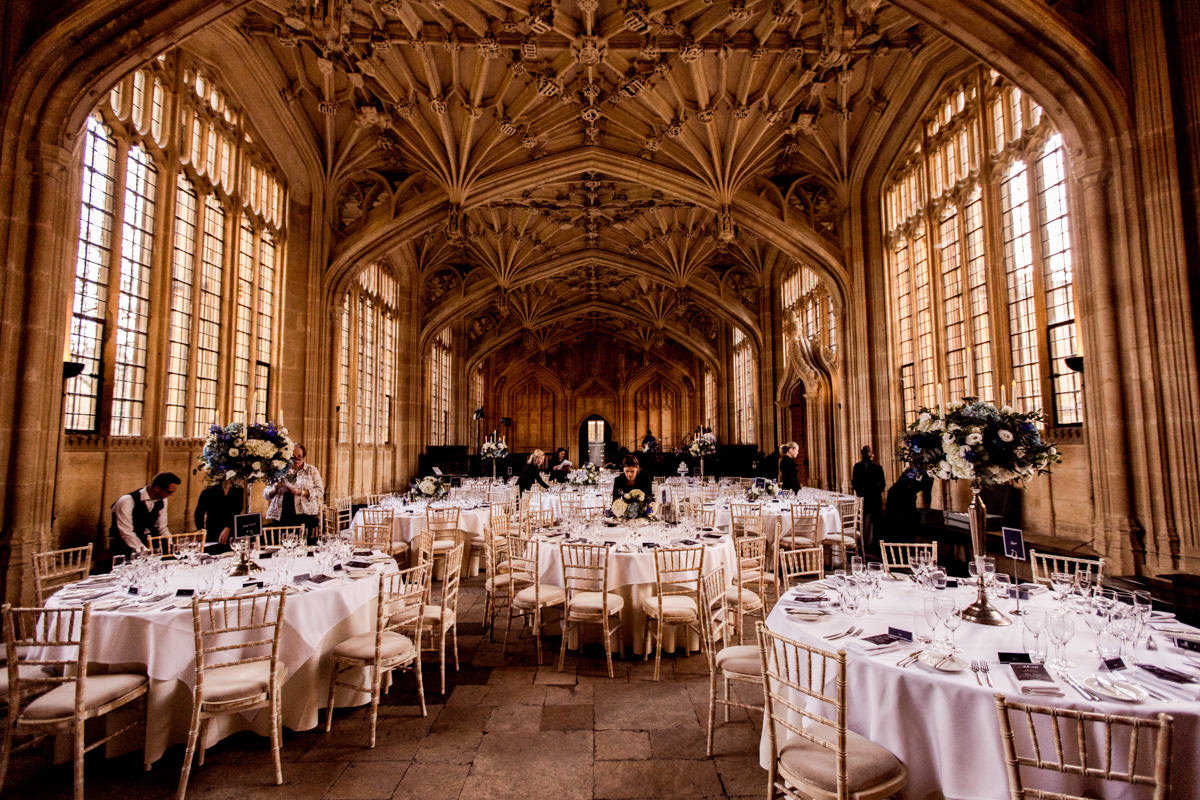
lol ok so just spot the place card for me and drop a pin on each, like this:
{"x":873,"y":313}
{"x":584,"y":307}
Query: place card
{"x":1013,"y":658}
{"x":1187,"y":644}
{"x":184,"y":592}
{"x":337,"y":567}
{"x":265,"y":554}
{"x":1031,"y":672}
{"x":1113,"y":664}
{"x":255,"y":584}
{"x":900,"y":634}
{"x":301,"y":578}
{"x":1165,"y":674}
{"x":319,"y":579}
{"x":358,"y":564}
{"x":363,"y":553}
{"x":133,"y":590}
{"x":879,"y":639}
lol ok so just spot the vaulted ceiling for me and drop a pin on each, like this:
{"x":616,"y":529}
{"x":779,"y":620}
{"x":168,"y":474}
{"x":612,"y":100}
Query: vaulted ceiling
{"x":652,"y":164}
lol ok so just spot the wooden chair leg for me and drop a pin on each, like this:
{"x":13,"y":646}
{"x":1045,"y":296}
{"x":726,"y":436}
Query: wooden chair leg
{"x":421,"y":685}
{"x":658,"y":651}
{"x":376,"y":691}
{"x":189,"y":753}
{"x":6,"y":745}
{"x":712,"y":709}
{"x":562,"y":649}
{"x":78,"y":745}
{"x":276,"y":735}
{"x":454,"y":642}
{"x":333,"y":673}
{"x":607,"y":647}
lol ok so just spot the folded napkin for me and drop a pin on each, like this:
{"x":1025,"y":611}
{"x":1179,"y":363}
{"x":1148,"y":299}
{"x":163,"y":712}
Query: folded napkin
{"x":879,"y":643}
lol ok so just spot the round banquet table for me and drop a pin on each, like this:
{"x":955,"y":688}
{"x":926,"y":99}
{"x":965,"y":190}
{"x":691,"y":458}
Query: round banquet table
{"x":631,"y":571}
{"x":157,"y":638}
{"x":943,"y":725}
{"x":408,"y":520}
{"x":777,"y":519}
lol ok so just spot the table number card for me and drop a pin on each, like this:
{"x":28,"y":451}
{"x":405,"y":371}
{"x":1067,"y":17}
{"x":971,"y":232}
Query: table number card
{"x":1014,"y":543}
{"x":247,"y":525}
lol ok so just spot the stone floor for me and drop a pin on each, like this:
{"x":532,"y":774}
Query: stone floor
{"x":506,"y":729}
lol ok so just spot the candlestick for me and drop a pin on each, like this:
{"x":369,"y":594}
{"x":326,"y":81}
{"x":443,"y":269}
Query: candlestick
{"x":1003,"y":399}
{"x":970,"y":369}
{"x":941,"y":408}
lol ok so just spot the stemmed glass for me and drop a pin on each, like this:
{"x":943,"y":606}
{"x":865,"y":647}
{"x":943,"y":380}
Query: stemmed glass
{"x":875,"y":574}
{"x":1083,"y":581}
{"x":932,"y":619}
{"x":1061,"y":583}
{"x":947,"y":611}
{"x":1060,"y":628}
{"x":1033,"y":623}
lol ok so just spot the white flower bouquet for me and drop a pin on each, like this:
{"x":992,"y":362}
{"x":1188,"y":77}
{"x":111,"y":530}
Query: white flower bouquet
{"x":704,"y":444}
{"x":762,"y":488}
{"x":978,"y":442}
{"x":429,"y":488}
{"x":587,"y":475}
{"x":494,"y":449}
{"x":632,"y":505}
{"x":260,"y":451}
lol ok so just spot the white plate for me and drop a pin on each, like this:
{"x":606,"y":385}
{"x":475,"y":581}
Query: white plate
{"x":1121,"y":691}
{"x":1161,"y":616}
{"x":943,"y":664}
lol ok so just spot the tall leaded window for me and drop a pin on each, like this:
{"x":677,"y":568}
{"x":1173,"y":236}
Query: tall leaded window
{"x":979,"y":255}
{"x":744,"y":372}
{"x":367,"y":358}
{"x":197,"y":203}
{"x":438,"y":367}
{"x":809,"y":310}
{"x":710,"y":399}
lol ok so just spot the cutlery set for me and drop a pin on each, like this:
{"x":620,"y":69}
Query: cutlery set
{"x":849,"y":632}
{"x":981,"y":667}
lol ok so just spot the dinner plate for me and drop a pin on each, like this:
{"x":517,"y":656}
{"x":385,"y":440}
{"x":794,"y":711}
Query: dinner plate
{"x":941,"y":663}
{"x":1121,"y":691}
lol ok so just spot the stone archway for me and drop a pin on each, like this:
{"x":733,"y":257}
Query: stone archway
{"x":586,"y":453}
{"x":798,"y":429}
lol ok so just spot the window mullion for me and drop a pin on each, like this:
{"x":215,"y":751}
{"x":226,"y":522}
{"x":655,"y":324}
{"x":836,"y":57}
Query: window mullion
{"x":993,"y":224}
{"x":113,"y":301}
{"x":1045,"y":363}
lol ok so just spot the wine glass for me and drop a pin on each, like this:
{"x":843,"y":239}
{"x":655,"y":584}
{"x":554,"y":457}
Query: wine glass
{"x":1061,"y":583}
{"x":1032,"y":624}
{"x":875,"y":572}
{"x":989,"y":571}
{"x":1083,"y":581}
{"x":1060,"y":628}
{"x":952,"y":622}
{"x":932,"y":620}
{"x":856,"y":565}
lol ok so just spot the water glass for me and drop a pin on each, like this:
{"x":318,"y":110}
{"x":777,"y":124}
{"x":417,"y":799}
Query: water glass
{"x":937,"y":580}
{"x":1061,"y":583}
{"x":1083,"y":581}
{"x":1034,"y":645}
{"x":1001,"y":586}
{"x":1060,"y":628}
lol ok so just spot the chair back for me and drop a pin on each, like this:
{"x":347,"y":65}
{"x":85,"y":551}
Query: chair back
{"x":795,"y":677}
{"x":850,"y":511}
{"x":375,"y":499}
{"x":186,"y":538}
{"x":499,"y":496}
{"x":807,"y":562}
{"x":1108,"y":747}
{"x":377,"y":516}
{"x":805,"y":517}
{"x":752,"y":560}
{"x":46,"y":647}
{"x":329,"y":521}
{"x":739,"y":513}
{"x":55,"y":568}
{"x":422,"y":545}
{"x":231,"y":631}
{"x":273,"y":536}
{"x":1042,"y":564}
{"x":585,"y":569}
{"x":523,"y":560}
{"x":570,"y":503}
{"x":716,"y":622}
{"x":539,"y":519}
{"x":452,"y":578}
{"x":677,"y":573}
{"x":900,"y":555}
{"x":159,"y":545}
{"x":402,"y":598}
{"x":373,"y":536}
{"x":442,"y":521}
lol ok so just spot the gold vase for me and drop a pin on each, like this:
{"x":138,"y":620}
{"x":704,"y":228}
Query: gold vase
{"x":981,"y":611}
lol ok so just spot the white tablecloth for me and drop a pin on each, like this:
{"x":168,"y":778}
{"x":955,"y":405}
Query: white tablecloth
{"x":161,"y":643}
{"x":409,"y":520}
{"x":943,"y":725}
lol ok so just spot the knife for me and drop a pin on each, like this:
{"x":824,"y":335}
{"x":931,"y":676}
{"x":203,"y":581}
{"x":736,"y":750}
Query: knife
{"x":1083,"y":691}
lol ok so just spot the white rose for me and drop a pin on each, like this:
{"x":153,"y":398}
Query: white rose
{"x":974,"y":438}
{"x":1004,"y":435}
{"x":619,"y":507}
{"x":233,"y":451}
{"x":1006,"y":410}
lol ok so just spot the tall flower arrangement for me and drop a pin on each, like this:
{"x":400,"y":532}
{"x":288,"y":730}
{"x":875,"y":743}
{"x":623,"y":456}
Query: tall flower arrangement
{"x":494,"y":449}
{"x":978,"y":442}
{"x":260,"y":451}
{"x":704,"y":444}
{"x":587,"y":475}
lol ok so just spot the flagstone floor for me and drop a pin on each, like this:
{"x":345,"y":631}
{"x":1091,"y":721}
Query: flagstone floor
{"x":506,"y":729}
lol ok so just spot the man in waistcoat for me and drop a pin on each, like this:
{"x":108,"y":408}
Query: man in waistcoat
{"x":141,"y":514}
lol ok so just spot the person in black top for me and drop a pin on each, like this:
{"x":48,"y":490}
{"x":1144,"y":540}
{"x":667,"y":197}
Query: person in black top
{"x":869,"y":483}
{"x":533,"y":472}
{"x":215,"y":510}
{"x":632,"y":477}
{"x":141,"y":514}
{"x":789,"y":472}
{"x":560,"y":465}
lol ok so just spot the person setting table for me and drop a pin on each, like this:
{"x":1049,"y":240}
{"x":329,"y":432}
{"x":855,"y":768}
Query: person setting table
{"x":296,"y":500}
{"x":533,"y":472}
{"x":141,"y":513}
{"x":789,"y":471}
{"x":215,"y":510}
{"x":632,"y":477}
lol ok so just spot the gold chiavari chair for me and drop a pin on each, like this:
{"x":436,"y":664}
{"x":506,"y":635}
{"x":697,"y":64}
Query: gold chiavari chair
{"x":237,"y":667}
{"x":539,"y":520}
{"x":1042,"y":564}
{"x":803,"y":533}
{"x":441,"y":620}
{"x":499,"y":574}
{"x":527,"y":595}
{"x":740,"y":514}
{"x":185,"y":538}
{"x":899,"y":555}
{"x":375,"y":499}
{"x":373,"y":537}
{"x":160,"y":544}
{"x":796,"y":565}
{"x":815,"y":759}
{"x":734,"y":663}
{"x":1113,"y":748}
{"x":345,"y":512}
{"x":677,"y":598}
{"x":49,"y":688}
{"x":273,"y":536}
{"x":587,"y":599}
{"x":400,"y":602}
{"x":747,"y":596}
{"x":849,"y":539}
{"x":442,"y":522}
{"x":376,"y":516}
{"x":54,"y":569}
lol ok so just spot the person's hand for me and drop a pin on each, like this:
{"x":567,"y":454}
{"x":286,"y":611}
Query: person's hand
{"x":224,"y":537}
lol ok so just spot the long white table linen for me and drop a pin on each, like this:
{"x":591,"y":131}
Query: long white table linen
{"x":943,"y":725}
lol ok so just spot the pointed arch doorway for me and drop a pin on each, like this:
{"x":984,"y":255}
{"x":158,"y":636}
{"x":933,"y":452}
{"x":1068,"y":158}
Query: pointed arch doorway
{"x":798,"y":419}
{"x":595,"y":435}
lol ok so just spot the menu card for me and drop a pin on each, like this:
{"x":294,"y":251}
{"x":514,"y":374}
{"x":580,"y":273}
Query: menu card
{"x":1031,"y":672}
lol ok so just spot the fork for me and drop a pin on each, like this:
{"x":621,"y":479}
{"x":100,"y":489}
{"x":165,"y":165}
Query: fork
{"x":987,"y":673}
{"x":975,"y":669}
{"x":850,"y":633}
{"x":839,"y":634}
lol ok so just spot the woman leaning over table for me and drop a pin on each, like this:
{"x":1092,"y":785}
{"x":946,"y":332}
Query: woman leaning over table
{"x":533,"y":472}
{"x":296,"y":500}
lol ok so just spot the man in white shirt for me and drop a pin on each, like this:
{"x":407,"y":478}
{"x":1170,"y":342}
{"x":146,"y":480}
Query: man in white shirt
{"x":140,"y":514}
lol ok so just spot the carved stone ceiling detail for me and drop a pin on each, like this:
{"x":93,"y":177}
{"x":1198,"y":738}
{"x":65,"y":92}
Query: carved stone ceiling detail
{"x":737,"y":95}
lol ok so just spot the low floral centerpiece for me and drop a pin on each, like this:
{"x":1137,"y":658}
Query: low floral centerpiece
{"x":242,"y":453}
{"x":632,"y":505}
{"x":429,"y":488}
{"x":762,"y":488}
{"x":988,"y":446}
{"x":587,"y":475}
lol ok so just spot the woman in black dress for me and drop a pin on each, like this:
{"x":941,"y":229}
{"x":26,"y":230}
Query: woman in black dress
{"x":789,"y":472}
{"x":215,"y":510}
{"x":533,"y":472}
{"x":632,"y":477}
